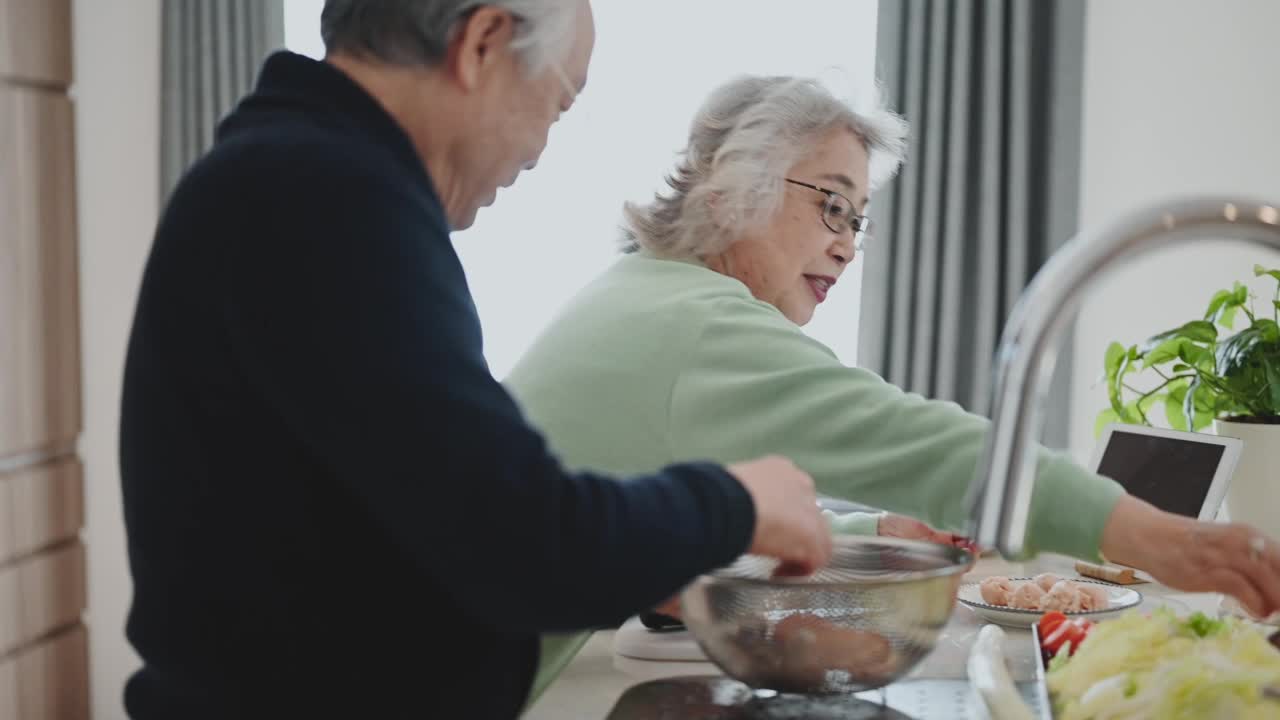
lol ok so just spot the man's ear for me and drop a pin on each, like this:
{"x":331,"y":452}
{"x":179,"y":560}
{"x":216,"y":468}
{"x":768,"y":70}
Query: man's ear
{"x":480,"y":46}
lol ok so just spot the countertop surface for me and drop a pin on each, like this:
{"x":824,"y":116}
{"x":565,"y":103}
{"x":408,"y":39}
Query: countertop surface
{"x":591,"y":685}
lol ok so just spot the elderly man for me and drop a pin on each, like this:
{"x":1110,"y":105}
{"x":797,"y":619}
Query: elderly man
{"x":325,"y":489}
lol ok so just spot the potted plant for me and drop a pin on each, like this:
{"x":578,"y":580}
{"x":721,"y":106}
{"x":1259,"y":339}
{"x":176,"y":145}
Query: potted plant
{"x":1205,"y":373}
{"x":1203,"y":377}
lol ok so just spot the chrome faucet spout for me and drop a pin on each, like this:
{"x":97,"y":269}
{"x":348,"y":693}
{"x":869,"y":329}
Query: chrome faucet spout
{"x":1000,"y":497}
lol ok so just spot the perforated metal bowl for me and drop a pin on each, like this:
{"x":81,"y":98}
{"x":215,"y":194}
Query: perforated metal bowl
{"x":862,"y":622}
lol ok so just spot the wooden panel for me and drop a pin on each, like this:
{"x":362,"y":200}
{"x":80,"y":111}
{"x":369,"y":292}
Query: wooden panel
{"x":35,"y":41}
{"x":53,"y":678}
{"x":46,"y":592}
{"x":47,"y":504}
{"x":8,"y":543}
{"x":9,"y":689}
{"x":39,"y":333}
{"x":10,"y":611}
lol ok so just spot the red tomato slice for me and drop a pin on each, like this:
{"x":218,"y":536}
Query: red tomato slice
{"x":1049,"y":622}
{"x":1065,"y":632}
{"x":1085,"y":627}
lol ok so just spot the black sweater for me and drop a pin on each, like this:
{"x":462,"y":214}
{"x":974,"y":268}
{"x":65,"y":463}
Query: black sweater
{"x":325,"y":489}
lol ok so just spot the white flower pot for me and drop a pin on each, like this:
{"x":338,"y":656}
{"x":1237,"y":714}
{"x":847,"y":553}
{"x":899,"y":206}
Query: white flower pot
{"x":1253,"y":496}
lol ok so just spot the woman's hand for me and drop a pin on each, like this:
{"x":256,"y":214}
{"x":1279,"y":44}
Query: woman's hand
{"x":1186,"y":554}
{"x":900,"y":526}
{"x":908,"y":528}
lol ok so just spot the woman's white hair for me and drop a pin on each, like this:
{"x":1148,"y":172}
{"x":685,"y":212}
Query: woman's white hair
{"x":743,"y":141}
{"x":417,"y":32}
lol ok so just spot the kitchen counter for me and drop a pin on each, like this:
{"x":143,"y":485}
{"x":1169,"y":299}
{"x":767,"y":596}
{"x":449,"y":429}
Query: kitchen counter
{"x":593,"y":682}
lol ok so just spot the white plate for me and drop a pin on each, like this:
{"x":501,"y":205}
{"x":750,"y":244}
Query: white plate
{"x":1122,"y":598}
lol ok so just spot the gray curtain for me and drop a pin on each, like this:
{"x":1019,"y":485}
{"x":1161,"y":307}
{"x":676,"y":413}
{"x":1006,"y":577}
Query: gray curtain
{"x":210,"y":57}
{"x":992,"y":91}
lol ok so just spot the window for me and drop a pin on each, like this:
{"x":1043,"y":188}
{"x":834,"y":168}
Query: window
{"x":654,"y":63}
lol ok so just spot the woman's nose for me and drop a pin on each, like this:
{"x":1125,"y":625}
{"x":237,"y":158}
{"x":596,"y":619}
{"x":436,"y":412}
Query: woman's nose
{"x":842,"y":253}
{"x":842,"y":249}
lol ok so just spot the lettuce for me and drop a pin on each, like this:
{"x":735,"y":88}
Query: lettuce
{"x":1203,"y":625}
{"x":1161,"y":666}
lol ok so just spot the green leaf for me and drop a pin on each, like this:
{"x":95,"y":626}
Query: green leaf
{"x":1234,"y":353}
{"x":1105,"y":418}
{"x":1138,"y":412}
{"x":1189,"y":404}
{"x":1180,"y":368}
{"x":1164,"y":352}
{"x":1128,"y":413}
{"x":1259,"y":271}
{"x":1115,"y":353}
{"x":1198,"y":330}
{"x":1220,"y":298}
{"x":1117,"y":358}
{"x":1225,"y":304}
{"x":1228,"y":317}
{"x":1173,"y":410}
{"x":1196,"y":356}
{"x":1272,"y":368}
{"x":1222,"y":405}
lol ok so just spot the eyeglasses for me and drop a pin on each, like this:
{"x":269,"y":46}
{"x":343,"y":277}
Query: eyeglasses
{"x":839,"y":215}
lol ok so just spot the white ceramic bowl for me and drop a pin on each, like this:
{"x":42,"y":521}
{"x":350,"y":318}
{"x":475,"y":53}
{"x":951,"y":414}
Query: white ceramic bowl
{"x":1121,"y":598}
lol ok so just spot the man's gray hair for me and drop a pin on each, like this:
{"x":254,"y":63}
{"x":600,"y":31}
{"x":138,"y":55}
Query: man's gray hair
{"x":743,"y":141}
{"x":417,"y":32}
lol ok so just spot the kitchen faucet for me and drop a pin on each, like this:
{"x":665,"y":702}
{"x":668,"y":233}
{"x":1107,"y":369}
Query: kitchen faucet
{"x":1000,"y":497}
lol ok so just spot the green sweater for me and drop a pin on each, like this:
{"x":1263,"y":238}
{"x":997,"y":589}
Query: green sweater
{"x":658,"y":361}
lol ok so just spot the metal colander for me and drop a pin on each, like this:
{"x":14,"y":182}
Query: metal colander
{"x":863,"y":621}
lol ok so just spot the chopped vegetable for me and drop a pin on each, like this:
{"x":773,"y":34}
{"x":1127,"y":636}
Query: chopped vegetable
{"x":1203,"y":625}
{"x":1060,"y":659}
{"x":1057,"y":632}
{"x":1163,"y":666}
{"x":1049,"y":621}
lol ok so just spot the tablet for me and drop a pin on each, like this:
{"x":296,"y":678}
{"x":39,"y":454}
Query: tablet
{"x":1179,"y":472}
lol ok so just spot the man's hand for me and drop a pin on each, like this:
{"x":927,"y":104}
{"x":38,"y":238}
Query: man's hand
{"x":789,"y":525}
{"x":670,"y":608}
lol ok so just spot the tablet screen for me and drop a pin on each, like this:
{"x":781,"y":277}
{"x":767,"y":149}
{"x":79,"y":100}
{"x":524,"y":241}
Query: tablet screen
{"x":1172,"y":474}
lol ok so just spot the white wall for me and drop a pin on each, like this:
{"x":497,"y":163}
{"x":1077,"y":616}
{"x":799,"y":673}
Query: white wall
{"x":1180,"y":97}
{"x":116,"y":91}
{"x":654,"y":64}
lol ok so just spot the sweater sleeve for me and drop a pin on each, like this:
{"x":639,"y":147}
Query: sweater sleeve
{"x":755,"y":383}
{"x":347,"y":308}
{"x":854,"y":523}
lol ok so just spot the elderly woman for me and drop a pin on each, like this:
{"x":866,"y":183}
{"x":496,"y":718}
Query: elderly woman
{"x":690,"y":346}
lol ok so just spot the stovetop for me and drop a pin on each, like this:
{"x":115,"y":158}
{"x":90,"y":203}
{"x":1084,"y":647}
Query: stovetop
{"x":720,"y":698}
